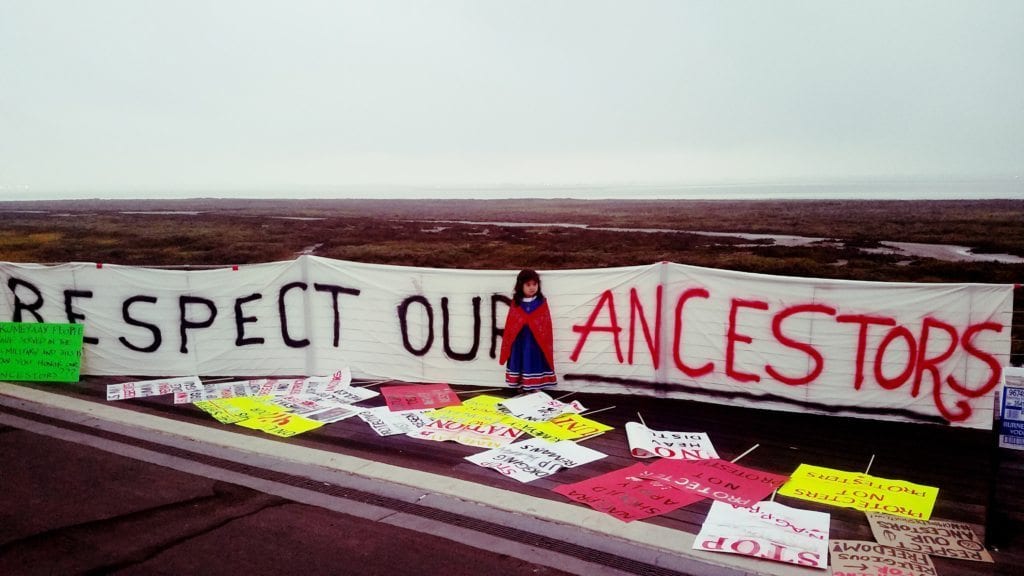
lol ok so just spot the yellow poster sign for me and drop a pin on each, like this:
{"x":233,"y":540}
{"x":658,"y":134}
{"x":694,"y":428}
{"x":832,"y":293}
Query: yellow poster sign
{"x":481,"y":409}
{"x":564,"y":427}
{"x":861,"y":492}
{"x":231,"y":410}
{"x":284,"y":424}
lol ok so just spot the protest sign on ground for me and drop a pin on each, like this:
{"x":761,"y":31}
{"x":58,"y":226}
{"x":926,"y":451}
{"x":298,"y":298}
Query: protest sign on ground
{"x":623,"y":495}
{"x":482,"y":409}
{"x":769,"y":530}
{"x":862,"y":558}
{"x":538,"y":407}
{"x":934,"y":537}
{"x":144,"y":388}
{"x":716,"y":479}
{"x":224,"y":410}
{"x":535,"y":458}
{"x":332,"y":414}
{"x":647,"y":443}
{"x":387,"y":423}
{"x":483,"y":435}
{"x":283,"y":424}
{"x":419,"y":397}
{"x":214,"y":391}
{"x":861,"y":492}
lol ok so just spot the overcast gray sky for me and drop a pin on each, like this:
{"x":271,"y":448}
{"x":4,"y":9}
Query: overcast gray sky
{"x":232,"y":97}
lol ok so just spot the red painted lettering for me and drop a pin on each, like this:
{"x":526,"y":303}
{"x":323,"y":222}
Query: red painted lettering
{"x":862,"y":339}
{"x":732,"y":337}
{"x":718,"y":544}
{"x":995,"y":373}
{"x":677,"y":344}
{"x":931,"y":364}
{"x":612,"y":327}
{"x":880,"y":377}
{"x":637,"y":310}
{"x":815,"y":356}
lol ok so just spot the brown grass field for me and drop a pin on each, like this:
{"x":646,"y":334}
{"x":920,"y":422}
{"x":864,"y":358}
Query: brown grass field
{"x":205,"y":232}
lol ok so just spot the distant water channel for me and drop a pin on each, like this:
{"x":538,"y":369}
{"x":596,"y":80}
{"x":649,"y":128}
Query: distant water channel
{"x":947,"y":252}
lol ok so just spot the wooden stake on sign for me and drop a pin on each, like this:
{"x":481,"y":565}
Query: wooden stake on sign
{"x":872,"y":461}
{"x":565,"y":395}
{"x":595,"y":411}
{"x":221,"y":379}
{"x":641,"y":419}
{"x":749,"y":450}
{"x":372,"y":383}
{"x":773,"y":495}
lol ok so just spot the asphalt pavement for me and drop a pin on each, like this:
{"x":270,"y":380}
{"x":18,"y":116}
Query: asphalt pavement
{"x":70,"y":508}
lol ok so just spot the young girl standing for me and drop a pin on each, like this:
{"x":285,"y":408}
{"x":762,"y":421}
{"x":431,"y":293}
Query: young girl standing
{"x":527,"y":343}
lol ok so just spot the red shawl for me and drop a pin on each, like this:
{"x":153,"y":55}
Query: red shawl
{"x":539,"y":323}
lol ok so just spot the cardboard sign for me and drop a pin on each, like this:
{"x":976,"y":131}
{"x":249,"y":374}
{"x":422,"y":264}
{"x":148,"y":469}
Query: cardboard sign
{"x":535,"y":458}
{"x":861,"y":492}
{"x":40,"y":352}
{"x":419,"y":397}
{"x":1011,"y":420}
{"x":935,"y":537}
{"x":716,"y":479}
{"x":769,"y":530}
{"x":862,"y":558}
{"x":624,"y":495}
{"x":387,"y":423}
{"x":144,"y":388}
{"x":647,"y":443}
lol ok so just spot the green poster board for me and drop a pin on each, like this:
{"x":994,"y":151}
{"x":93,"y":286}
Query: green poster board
{"x":40,"y":352}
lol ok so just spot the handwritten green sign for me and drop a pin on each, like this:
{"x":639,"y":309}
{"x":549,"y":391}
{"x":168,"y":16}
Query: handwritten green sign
{"x":40,"y":352}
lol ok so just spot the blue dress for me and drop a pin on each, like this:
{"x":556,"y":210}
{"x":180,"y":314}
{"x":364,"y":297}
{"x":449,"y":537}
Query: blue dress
{"x":527,"y":366}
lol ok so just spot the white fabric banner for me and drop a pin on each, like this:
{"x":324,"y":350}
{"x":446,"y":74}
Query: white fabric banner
{"x":912,"y":352}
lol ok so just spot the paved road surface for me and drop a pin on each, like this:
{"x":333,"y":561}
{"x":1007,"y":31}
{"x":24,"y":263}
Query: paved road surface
{"x":68,"y":508}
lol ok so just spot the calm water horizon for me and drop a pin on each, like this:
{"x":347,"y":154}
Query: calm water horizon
{"x":978,"y":189}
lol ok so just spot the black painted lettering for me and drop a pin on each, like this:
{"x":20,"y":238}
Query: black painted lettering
{"x":128,"y":319}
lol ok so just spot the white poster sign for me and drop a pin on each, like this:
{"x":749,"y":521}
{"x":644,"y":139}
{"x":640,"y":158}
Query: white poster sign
{"x":535,"y":458}
{"x":647,"y":443}
{"x":768,"y":530}
{"x":911,"y":352}
{"x":387,"y":423}
{"x":538,"y":407}
{"x":141,"y":389}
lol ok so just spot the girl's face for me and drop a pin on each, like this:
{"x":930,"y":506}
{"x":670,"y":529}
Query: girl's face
{"x":530,"y":288}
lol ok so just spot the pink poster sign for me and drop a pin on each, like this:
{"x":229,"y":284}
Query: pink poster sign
{"x":717,"y":479}
{"x":419,"y":397}
{"x":622,"y":494}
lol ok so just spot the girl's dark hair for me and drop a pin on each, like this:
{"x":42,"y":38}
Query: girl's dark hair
{"x":524,"y":277}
